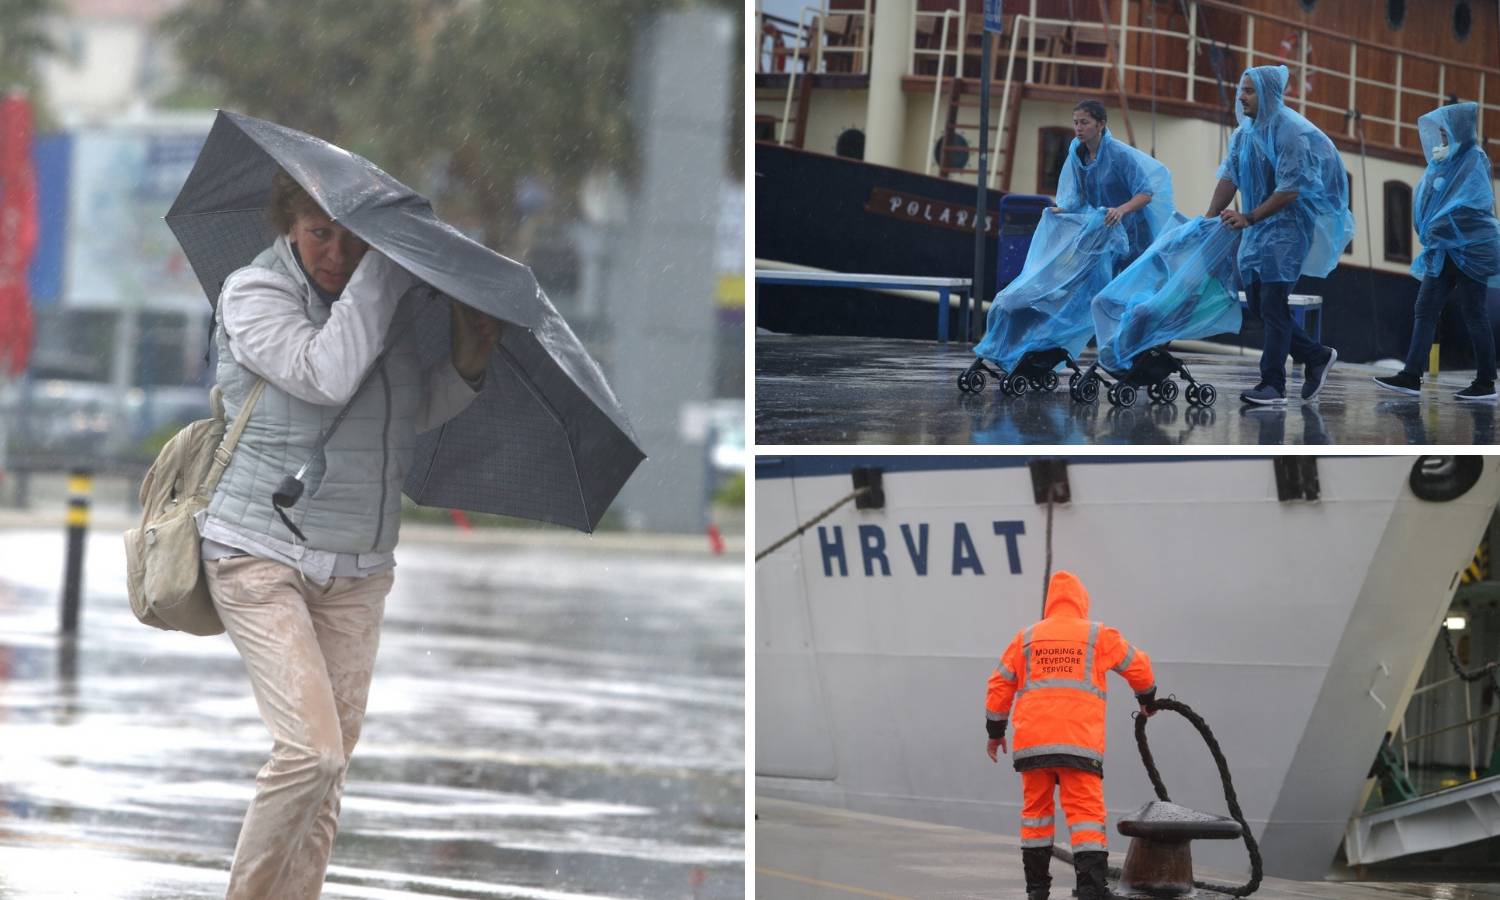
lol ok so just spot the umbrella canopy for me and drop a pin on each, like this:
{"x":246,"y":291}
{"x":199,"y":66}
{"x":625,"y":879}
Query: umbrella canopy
{"x":546,"y":439}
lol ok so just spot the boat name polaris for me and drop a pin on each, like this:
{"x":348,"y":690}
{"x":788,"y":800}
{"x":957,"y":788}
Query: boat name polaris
{"x":872,"y":547}
{"x":925,"y":210}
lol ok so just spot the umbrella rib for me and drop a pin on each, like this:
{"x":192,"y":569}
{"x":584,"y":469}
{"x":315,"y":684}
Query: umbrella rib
{"x":521,"y":376}
{"x":212,"y":212}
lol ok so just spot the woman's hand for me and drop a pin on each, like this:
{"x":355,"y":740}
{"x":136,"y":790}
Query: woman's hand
{"x":1112,"y":216}
{"x":1234,"y":220}
{"x":474,"y":338}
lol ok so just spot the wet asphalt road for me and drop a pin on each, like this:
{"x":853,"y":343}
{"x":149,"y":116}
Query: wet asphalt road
{"x":843,"y":390}
{"x":545,"y":723}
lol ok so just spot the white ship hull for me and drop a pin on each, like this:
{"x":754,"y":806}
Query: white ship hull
{"x":1298,"y":629}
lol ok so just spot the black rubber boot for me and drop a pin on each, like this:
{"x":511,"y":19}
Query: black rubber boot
{"x":1092,"y":868}
{"x":1035,"y":861}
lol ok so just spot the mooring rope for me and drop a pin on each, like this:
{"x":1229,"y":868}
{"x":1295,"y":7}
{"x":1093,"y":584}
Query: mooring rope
{"x":1230,"y":798}
{"x":857,"y":492}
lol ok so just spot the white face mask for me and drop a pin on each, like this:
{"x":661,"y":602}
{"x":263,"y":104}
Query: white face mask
{"x":1440,"y":153}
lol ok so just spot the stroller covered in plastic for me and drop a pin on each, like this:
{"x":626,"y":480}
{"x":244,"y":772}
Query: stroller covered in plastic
{"x":1042,"y":318}
{"x":1185,"y":286}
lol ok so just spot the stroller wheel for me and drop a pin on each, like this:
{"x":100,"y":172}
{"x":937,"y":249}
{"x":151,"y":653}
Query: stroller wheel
{"x":1016,"y":384}
{"x":963,"y":381}
{"x":1167,"y":391}
{"x":1191,"y":394}
{"x":1073,"y":381}
{"x":1153,"y":392}
{"x":1088,"y":390}
{"x":976,"y":380}
{"x":1049,"y":382}
{"x":1207,"y":395}
{"x":1125,"y":394}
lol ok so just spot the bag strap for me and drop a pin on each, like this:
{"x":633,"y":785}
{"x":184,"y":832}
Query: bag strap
{"x":225,"y":451}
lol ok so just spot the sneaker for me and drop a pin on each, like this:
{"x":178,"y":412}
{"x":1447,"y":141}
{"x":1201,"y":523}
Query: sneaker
{"x":1401,"y":383}
{"x":1263,"y":395}
{"x":1314,"y":376}
{"x":1479,"y":390}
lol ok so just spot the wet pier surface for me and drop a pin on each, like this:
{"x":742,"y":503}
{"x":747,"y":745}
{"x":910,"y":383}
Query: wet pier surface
{"x":845,"y":390}
{"x":806,"y":852}
{"x":545,"y":722}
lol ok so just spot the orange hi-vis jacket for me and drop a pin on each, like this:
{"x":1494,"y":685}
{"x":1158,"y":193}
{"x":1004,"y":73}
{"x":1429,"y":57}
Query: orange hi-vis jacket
{"x":1050,"y":682}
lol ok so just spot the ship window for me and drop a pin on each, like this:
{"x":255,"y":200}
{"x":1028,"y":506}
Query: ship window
{"x":1463,"y":17}
{"x":1397,"y":222}
{"x":958,"y":152}
{"x":851,"y":144}
{"x":1052,"y":152}
{"x":1395,"y":12}
{"x":1309,"y":4}
{"x":765,"y":128}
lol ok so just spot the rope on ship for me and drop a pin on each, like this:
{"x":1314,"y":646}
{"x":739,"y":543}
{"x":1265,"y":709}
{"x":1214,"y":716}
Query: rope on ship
{"x":852,"y":495}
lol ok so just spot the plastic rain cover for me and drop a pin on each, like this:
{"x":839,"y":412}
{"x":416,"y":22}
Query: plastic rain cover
{"x":1116,"y":174}
{"x":1453,"y":208}
{"x":1184,"y":287}
{"x":1072,"y":256}
{"x":1279,"y":150}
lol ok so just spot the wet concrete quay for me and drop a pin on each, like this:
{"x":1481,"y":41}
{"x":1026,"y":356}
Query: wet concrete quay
{"x":545,"y":722}
{"x":807,"y":852}
{"x":848,"y":390}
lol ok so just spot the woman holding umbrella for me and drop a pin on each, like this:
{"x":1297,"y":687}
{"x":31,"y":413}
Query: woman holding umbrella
{"x":329,"y":325}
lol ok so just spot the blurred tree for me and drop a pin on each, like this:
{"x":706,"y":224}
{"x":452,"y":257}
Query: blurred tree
{"x":470,"y":102}
{"x":23,"y":42}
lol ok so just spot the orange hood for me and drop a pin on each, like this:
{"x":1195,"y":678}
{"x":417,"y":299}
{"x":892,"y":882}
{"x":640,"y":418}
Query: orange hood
{"x":1066,"y":597}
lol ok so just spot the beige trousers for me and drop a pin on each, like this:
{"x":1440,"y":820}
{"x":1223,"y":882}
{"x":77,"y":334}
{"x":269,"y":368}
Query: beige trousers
{"x":309,"y":651}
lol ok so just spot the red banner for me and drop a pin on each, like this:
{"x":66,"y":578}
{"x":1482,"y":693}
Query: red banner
{"x":18,"y":231}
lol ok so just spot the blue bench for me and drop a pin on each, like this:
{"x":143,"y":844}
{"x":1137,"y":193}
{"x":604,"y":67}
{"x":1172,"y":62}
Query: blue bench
{"x":944,"y":287}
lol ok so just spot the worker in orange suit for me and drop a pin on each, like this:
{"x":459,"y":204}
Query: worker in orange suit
{"x":1051,"y":682}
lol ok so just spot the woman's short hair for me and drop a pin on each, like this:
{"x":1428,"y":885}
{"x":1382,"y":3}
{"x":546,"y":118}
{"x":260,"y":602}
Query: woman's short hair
{"x":1094,"y":108}
{"x":288,"y":201}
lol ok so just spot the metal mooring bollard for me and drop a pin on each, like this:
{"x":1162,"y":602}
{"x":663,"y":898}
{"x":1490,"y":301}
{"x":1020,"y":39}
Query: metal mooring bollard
{"x":80,"y":487}
{"x":1158,"y":862}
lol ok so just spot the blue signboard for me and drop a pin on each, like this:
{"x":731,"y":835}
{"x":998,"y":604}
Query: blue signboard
{"x":992,"y":20}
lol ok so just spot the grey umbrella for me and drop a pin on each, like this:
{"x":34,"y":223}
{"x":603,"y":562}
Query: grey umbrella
{"x":546,"y":439}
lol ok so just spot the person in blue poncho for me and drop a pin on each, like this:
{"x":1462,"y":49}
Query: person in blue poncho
{"x":1134,"y":189}
{"x":1454,"y":212}
{"x":1293,"y":183}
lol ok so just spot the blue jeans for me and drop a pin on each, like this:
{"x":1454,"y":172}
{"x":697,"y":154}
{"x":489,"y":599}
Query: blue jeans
{"x":1431,"y":298}
{"x":1268,"y":300}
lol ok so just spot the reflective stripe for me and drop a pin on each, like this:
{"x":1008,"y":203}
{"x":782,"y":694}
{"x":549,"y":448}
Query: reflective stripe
{"x":995,"y":717}
{"x":1146,"y":691}
{"x":1085,"y":686}
{"x":1005,"y":671}
{"x":1036,"y":842}
{"x":1088,"y":654}
{"x":1075,"y":827}
{"x":1085,"y":846}
{"x":1026,"y":658}
{"x":1125,"y":663}
{"x":1035,"y":823}
{"x":1047,"y":749}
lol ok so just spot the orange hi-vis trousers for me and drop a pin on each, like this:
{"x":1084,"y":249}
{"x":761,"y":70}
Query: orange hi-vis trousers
{"x":1082,"y":799}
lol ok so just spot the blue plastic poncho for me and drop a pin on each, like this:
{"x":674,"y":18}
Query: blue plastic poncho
{"x":1072,"y":256}
{"x":1117,"y":173}
{"x":1454,"y":205}
{"x":1279,"y":150}
{"x":1183,"y":287}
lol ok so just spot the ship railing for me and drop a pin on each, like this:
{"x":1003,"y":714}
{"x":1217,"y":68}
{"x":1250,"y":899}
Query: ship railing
{"x":823,"y":40}
{"x":1409,"y":91}
{"x":1470,"y":723}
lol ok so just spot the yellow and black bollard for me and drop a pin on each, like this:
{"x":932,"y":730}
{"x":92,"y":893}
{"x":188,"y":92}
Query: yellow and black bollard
{"x":80,"y":487}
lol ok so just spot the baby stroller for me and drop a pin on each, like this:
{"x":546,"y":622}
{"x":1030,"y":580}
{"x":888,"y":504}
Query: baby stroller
{"x":1185,"y":286}
{"x":1042,"y":319}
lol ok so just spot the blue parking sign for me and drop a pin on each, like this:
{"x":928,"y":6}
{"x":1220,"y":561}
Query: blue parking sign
{"x":992,"y":20}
